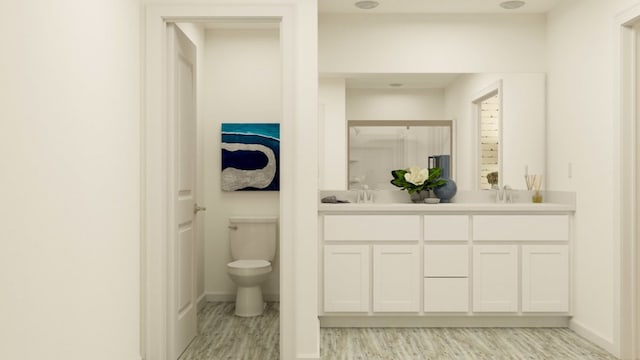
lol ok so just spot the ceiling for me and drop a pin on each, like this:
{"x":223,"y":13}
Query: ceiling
{"x":435,"y":6}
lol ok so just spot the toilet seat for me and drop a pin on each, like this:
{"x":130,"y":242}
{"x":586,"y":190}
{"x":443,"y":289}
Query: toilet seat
{"x":249,"y":264}
{"x":249,"y":267}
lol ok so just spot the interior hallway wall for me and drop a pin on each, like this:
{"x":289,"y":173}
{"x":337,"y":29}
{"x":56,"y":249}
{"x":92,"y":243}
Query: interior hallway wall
{"x":70,"y":183}
{"x":241,"y":83}
{"x":581,"y":136}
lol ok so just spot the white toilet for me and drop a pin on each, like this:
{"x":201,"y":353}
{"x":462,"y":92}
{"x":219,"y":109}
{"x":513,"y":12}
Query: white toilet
{"x":253,"y":247}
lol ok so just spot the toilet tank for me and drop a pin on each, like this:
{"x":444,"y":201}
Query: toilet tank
{"x":253,"y":238}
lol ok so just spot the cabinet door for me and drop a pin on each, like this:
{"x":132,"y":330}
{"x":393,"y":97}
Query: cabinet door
{"x":346,"y":278}
{"x":545,"y":278}
{"x":396,"y":278}
{"x":495,"y":278}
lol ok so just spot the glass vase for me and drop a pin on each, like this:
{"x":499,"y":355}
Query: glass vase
{"x":537,"y":197}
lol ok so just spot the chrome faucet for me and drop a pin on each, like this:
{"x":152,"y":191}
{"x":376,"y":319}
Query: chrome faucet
{"x":507,"y":194}
{"x":504,"y":195}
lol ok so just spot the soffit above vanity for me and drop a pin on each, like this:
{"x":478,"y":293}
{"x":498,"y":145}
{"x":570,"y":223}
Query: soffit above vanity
{"x":436,"y":7}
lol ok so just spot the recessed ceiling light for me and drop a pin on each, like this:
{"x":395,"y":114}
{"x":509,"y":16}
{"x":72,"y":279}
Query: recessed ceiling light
{"x":367,"y":4}
{"x":511,"y":5}
{"x":396,"y":85}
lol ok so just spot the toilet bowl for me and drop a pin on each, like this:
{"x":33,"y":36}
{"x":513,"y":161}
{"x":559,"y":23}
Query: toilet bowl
{"x":248,"y":275}
{"x":253,"y":247}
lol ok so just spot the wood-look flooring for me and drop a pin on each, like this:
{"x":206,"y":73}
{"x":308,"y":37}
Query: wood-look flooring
{"x":221,"y":335}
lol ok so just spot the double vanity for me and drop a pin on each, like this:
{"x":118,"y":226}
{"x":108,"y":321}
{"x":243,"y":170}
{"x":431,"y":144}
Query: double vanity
{"x":467,"y":263}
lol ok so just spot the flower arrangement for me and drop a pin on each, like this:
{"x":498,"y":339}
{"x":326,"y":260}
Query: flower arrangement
{"x":416,"y":179}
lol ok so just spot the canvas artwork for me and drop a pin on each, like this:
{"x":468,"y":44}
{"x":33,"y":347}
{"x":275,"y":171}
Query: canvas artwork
{"x":250,"y":157}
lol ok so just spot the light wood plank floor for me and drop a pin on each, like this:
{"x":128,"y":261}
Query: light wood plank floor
{"x":225,"y":336}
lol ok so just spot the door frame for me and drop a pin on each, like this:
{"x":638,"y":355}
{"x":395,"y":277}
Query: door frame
{"x":627,"y":303}
{"x":299,"y":325}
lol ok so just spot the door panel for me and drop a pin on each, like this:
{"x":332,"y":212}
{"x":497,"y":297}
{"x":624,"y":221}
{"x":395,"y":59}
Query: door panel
{"x":495,"y":278}
{"x":185,"y":271}
{"x":396,"y":278}
{"x":182,"y":116}
{"x":346,"y":278}
{"x":545,"y":278}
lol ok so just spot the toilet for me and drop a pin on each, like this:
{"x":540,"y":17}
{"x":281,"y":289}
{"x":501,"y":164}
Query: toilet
{"x":253,"y":247}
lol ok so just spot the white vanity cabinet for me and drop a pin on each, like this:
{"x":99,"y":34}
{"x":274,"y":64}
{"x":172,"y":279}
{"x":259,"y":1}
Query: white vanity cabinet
{"x":364,"y":264}
{"x":471,"y":265}
{"x":538,"y":273}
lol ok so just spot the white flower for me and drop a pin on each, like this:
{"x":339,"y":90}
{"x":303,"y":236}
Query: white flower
{"x":416,"y":176}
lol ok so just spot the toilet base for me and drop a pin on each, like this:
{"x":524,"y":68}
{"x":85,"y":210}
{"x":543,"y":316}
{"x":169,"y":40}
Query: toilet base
{"x":249,"y":301}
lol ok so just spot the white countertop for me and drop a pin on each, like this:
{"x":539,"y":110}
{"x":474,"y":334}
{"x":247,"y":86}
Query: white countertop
{"x":465,"y":202}
{"x":451,"y":207}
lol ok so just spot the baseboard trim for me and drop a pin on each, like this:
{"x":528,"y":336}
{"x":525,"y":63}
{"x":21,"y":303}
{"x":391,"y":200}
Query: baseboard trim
{"x":594,"y":337}
{"x":444,"y":321}
{"x":230,"y":297}
{"x":308,"y":356}
{"x":201,"y":301}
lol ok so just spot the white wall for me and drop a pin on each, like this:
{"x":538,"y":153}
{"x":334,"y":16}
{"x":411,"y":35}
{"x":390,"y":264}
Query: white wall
{"x":241,"y":83}
{"x":332,"y":134}
{"x":523,"y":125}
{"x":395,"y":104}
{"x":70,"y":209}
{"x":431,"y":43}
{"x":580,"y":132}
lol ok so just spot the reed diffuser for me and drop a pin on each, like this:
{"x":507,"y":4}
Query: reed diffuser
{"x":534,"y":182}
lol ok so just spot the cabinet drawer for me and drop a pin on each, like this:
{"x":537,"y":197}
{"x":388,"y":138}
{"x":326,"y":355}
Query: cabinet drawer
{"x":446,"y":260}
{"x":446,"y":227}
{"x":521,"y":227}
{"x":371,"y":227}
{"x":446,"y":294}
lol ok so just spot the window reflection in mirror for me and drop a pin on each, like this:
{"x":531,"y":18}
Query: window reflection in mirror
{"x":488,"y":110}
{"x":377,"y":147}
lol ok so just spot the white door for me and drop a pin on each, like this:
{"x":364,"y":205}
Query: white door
{"x":495,"y":278}
{"x":545,"y":278}
{"x":346,"y":278}
{"x":182,"y":113}
{"x":396,"y":278}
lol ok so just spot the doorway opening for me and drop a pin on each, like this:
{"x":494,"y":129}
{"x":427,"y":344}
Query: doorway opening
{"x":238,"y":82}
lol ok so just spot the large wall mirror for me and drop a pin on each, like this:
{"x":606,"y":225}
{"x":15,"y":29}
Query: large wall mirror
{"x":346,"y":99}
{"x":377,"y":147}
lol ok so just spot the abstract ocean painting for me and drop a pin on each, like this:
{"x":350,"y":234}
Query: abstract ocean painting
{"x":250,"y":157}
